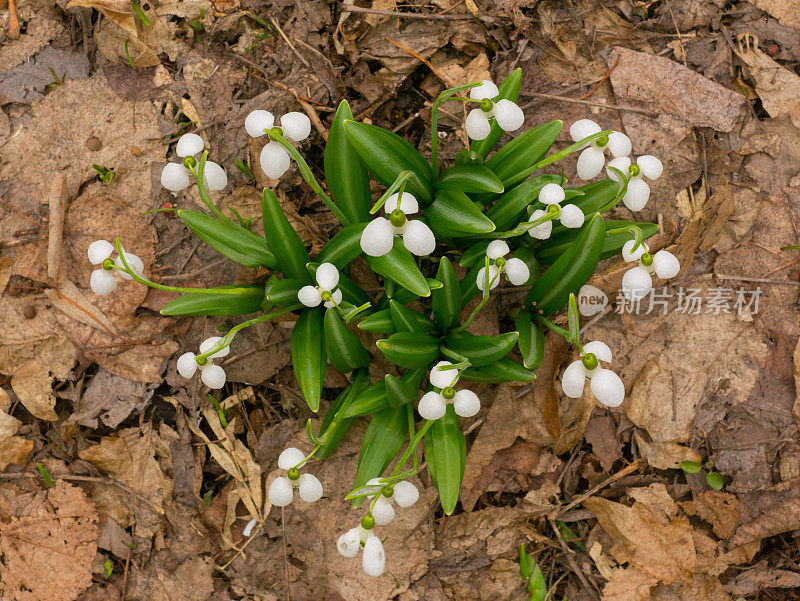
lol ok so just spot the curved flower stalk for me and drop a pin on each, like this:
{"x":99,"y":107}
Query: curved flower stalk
{"x":505,"y":112}
{"x":404,"y":493}
{"x":175,"y":176}
{"x":637,"y":282}
{"x":638,"y":191}
{"x":102,"y":280}
{"x":373,"y":559}
{"x":592,"y":159}
{"x":433,"y":404}
{"x":515,"y":270}
{"x":325,"y":291}
{"x":606,"y":385}
{"x":281,"y":491}
{"x":275,"y":159}
{"x":569,"y":215}
{"x":212,"y":375}
{"x":377,"y":239}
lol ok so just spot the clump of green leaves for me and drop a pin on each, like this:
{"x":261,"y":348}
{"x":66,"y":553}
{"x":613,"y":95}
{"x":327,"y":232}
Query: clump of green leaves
{"x":713,"y":479}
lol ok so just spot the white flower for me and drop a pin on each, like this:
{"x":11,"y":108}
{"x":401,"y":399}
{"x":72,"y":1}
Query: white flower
{"x":516,"y":270}
{"x":281,"y":491}
{"x":638,"y":192}
{"x":102,"y":280}
{"x":275,"y":159}
{"x":326,"y":290}
{"x":211,"y":375}
{"x":569,"y":215}
{"x":592,"y":159}
{"x":374,"y":558}
{"x":377,"y":238}
{"x":606,"y":385}
{"x":175,"y":176}
{"x":637,"y":282}
{"x":433,"y":404}
{"x":505,"y":112}
{"x":403,"y":493}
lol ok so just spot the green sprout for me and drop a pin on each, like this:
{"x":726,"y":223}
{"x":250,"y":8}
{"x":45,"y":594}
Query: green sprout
{"x":105,"y":174}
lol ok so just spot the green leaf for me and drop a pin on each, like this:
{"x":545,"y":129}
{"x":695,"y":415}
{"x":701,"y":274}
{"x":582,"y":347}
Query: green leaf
{"x":369,"y":401}
{"x":573,"y":319}
{"x":690,"y":467}
{"x":283,"y":240}
{"x":343,"y":247}
{"x":281,"y":293}
{"x":508,"y":89}
{"x":308,"y":355}
{"x":525,"y":562}
{"x":379,"y":322}
{"x":236,"y":300}
{"x":345,"y":173}
{"x":715,"y":480}
{"x":453,"y":213}
{"x":504,"y":370}
{"x":509,"y":209}
{"x":469,"y":179}
{"x":399,"y":266}
{"x":351,"y":292}
{"x":358,"y":384}
{"x":232,"y":240}
{"x":408,"y":320}
{"x":345,"y":351}
{"x":447,"y":302}
{"x":598,"y":197}
{"x":523,"y":152}
{"x":531,"y":340}
{"x":537,"y":587}
{"x":445,"y":452}
{"x":402,"y":391}
{"x":412,"y":350}
{"x":474,"y":254}
{"x":482,"y":350}
{"x":382,"y":442}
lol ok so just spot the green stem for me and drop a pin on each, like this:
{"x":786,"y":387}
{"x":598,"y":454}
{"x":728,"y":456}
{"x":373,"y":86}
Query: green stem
{"x":529,"y":225}
{"x":443,"y":97}
{"x":638,"y":235}
{"x":558,"y":330}
{"x":487,"y":286}
{"x":396,"y":184}
{"x":201,"y":186}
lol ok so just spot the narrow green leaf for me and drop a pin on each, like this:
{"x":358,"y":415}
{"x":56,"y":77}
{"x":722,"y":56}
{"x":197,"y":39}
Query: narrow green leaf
{"x":345,"y":173}
{"x":283,"y":240}
{"x":308,"y":355}
{"x":445,"y":452}
{"x":344,"y":349}
{"x":447,"y":302}
{"x":383,"y":439}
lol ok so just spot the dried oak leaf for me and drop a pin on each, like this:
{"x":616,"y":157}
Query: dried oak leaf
{"x":47,"y":543}
{"x":628,"y":584}
{"x":720,"y":509}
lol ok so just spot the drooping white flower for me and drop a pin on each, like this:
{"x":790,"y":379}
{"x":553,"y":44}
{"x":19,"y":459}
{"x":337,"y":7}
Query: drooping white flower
{"x":175,"y":176}
{"x":373,"y":559}
{"x":606,"y":385}
{"x":377,"y":239}
{"x":433,"y":404}
{"x":327,"y":278}
{"x":102,"y":280}
{"x":569,"y":215}
{"x":637,"y":282}
{"x":516,"y":270}
{"x":638,"y":192}
{"x":404,"y":493}
{"x":505,"y":112}
{"x":275,"y":159}
{"x":592,"y":159}
{"x":281,"y":491}
{"x":211,"y":375}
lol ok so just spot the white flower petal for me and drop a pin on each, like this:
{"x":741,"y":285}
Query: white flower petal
{"x":296,"y":126}
{"x":336,"y":299}
{"x":477,"y":125}
{"x":135,"y":263}
{"x":383,"y":512}
{"x":187,"y":366}
{"x":280,"y":492}
{"x":290,"y":457}
{"x":102,"y":281}
{"x":309,"y":296}
{"x":636,"y":283}
{"x":405,"y":493}
{"x":666,"y":264}
{"x":327,"y":276}
{"x":212,"y":376}
{"x":637,"y":194}
{"x":310,"y":488}
{"x":99,"y":251}
{"x":621,"y":163}
{"x":635,"y":255}
{"x":551,"y":194}
{"x":466,"y":403}
{"x":274,"y":159}
{"x":408,"y":204}
{"x":497,"y":249}
{"x":650,"y":166}
{"x":607,"y":388}
{"x":543,"y":230}
{"x":582,"y":129}
{"x":442,"y":378}
{"x":214,"y":176}
{"x":619,"y":144}
{"x":189,"y":145}
{"x":431,"y":406}
{"x":374,"y":559}
{"x":487,"y":89}
{"x":175,"y":177}
{"x":418,"y":238}
{"x":571,"y":216}
{"x":210,"y":343}
{"x":573,"y":379}
{"x":377,"y":238}
{"x":493,"y":279}
{"x":257,"y":121}
{"x":517,"y":271}
{"x":508,"y":115}
{"x":248,"y":529}
{"x":350,"y":542}
{"x":599,"y":349}
{"x":590,"y":163}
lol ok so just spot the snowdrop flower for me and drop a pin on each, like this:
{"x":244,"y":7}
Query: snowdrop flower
{"x":433,"y":404}
{"x":505,"y":112}
{"x":326,"y":290}
{"x":569,"y":215}
{"x":373,"y":559}
{"x":275,"y":159}
{"x":102,"y":280}
{"x":592,"y":159}
{"x":637,"y":282}
{"x":638,"y":192}
{"x":377,"y":239}
{"x":175,"y":176}
{"x":212,"y":375}
{"x":281,"y":491}
{"x":403,"y":493}
{"x":516,"y":270}
{"x":606,"y":385}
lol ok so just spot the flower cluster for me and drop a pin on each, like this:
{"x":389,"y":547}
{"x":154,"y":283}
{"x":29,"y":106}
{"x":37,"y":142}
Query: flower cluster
{"x":505,"y":112}
{"x":606,"y":385}
{"x":212,"y":375}
{"x":281,"y":491}
{"x":638,"y":192}
{"x":377,"y":238}
{"x":274,"y":158}
{"x":637,"y":282}
{"x":516,"y":270}
{"x":569,"y":215}
{"x":175,"y":176}
{"x":327,"y":277}
{"x":102,"y":280}
{"x":592,"y":159}
{"x":433,"y":404}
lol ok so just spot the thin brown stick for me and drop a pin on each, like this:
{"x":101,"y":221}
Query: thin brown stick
{"x":631,"y":109}
{"x":13,"y":20}
{"x":420,"y":58}
{"x":288,"y":41}
{"x":599,"y":83}
{"x":610,"y":480}
{"x":404,"y":15}
{"x":568,"y":553}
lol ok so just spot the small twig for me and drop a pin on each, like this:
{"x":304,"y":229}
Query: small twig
{"x":568,"y":553}
{"x":610,"y":480}
{"x":631,"y":109}
{"x":420,"y":58}
{"x":599,"y":83}
{"x":13,"y":20}
{"x":404,"y":15}
{"x":288,"y":41}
